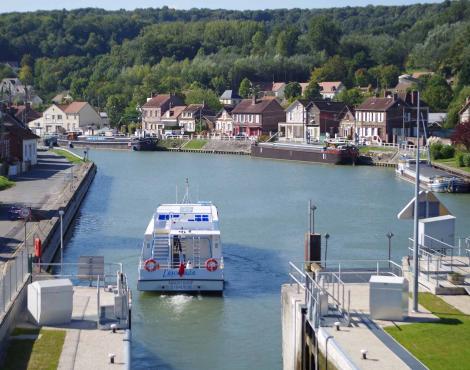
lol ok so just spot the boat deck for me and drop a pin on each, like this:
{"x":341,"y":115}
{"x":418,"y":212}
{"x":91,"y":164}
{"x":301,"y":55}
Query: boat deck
{"x":430,"y":171}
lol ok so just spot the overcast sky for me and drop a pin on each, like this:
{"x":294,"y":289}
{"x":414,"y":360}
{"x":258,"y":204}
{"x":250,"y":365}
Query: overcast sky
{"x":29,"y":5}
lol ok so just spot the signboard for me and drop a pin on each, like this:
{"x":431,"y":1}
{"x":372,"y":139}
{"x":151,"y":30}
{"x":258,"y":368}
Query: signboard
{"x":25,"y":213}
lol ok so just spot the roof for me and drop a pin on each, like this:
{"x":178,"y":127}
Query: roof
{"x":403,"y":86}
{"x":17,"y":129}
{"x":329,"y":106}
{"x":61,"y":96}
{"x":230,"y":94}
{"x":420,"y":74}
{"x":25,"y":113}
{"x":193,"y":108}
{"x":157,"y":101}
{"x":174,"y":112}
{"x":329,"y":86}
{"x":73,"y":107}
{"x":378,"y":104}
{"x":304,"y":102}
{"x":270,"y":86}
{"x":247,"y":106}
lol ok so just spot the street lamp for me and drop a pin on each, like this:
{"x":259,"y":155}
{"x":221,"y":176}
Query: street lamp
{"x":311,"y":213}
{"x":327,"y":236}
{"x":61,"y":214}
{"x":389,"y":235}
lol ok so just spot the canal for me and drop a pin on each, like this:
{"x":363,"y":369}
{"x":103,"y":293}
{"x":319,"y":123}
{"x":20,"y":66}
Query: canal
{"x":263,"y":209}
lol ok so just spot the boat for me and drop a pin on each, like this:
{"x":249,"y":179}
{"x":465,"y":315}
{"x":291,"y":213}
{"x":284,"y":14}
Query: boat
{"x":143,"y":144}
{"x":182,"y":250}
{"x":333,"y":153}
{"x":431,"y":178}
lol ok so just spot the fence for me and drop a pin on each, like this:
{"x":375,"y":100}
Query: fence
{"x":13,"y":276}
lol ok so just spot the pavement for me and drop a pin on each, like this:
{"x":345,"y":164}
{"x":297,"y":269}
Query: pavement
{"x":44,"y":189}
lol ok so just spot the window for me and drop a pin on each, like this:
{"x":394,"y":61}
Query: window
{"x":59,"y":116}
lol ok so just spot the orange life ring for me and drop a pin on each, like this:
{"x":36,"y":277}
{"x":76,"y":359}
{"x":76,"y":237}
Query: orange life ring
{"x":151,"y":265}
{"x":211,"y":264}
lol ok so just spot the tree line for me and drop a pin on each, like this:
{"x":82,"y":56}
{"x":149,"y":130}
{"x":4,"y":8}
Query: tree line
{"x":115,"y":59}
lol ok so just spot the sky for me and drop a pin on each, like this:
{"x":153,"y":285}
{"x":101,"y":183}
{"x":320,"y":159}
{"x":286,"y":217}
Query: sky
{"x":28,"y":5}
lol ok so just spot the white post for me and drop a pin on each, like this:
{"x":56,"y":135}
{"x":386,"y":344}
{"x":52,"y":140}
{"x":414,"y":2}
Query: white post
{"x":416,"y":219}
{"x":61,"y":214}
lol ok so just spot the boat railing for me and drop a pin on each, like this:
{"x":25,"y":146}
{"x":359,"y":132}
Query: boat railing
{"x":176,"y":264}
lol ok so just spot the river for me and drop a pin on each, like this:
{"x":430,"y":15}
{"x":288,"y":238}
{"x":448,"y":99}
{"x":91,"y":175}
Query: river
{"x":263,"y":210}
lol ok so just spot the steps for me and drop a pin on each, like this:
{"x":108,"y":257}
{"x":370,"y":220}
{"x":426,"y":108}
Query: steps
{"x":161,"y":248}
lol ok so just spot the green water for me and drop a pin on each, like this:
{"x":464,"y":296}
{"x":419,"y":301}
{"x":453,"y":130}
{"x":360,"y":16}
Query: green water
{"x":263,"y":209}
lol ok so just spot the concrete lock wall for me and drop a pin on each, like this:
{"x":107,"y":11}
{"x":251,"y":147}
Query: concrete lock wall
{"x":292,"y":301}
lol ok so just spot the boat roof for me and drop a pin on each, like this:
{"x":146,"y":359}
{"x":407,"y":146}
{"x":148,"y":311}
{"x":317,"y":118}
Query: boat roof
{"x":205,"y":208}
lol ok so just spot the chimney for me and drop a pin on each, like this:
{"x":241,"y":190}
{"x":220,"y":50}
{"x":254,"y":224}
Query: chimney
{"x":414,"y":97}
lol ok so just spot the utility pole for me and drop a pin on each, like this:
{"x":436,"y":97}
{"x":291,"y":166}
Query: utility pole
{"x":416,"y":220}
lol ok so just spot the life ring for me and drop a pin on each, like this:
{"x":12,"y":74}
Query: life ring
{"x":211,"y":264}
{"x":151,"y":265}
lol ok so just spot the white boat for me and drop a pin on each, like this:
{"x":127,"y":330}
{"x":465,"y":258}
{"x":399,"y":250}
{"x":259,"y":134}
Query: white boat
{"x":182,"y":251}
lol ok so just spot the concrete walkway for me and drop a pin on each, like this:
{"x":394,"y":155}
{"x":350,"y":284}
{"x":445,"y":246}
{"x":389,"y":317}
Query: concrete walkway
{"x":44,"y":189}
{"x":85,"y":346}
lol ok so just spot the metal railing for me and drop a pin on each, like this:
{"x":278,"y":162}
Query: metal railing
{"x":14,"y":274}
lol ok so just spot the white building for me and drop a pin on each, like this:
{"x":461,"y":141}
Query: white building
{"x":329,"y":89}
{"x":73,"y":117}
{"x":300,"y":125}
{"x":224,"y":122}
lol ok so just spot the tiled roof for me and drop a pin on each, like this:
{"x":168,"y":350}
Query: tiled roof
{"x":247,"y":106}
{"x":378,"y":104}
{"x":329,"y":87}
{"x":329,"y":106}
{"x":74,"y":107}
{"x":157,"y":101}
{"x":16,"y":129}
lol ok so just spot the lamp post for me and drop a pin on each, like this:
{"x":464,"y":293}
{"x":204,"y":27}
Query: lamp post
{"x":327,"y":236}
{"x":416,"y":219}
{"x":389,"y":235}
{"x":311,"y":213}
{"x":61,"y":214}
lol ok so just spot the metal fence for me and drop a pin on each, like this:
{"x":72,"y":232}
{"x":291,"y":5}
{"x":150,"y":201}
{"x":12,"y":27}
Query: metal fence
{"x":14,"y":274}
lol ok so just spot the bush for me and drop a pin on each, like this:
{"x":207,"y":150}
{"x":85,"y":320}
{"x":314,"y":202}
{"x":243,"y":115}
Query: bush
{"x":466,"y":159}
{"x":447,"y":151}
{"x":436,"y":150}
{"x":460,"y":160}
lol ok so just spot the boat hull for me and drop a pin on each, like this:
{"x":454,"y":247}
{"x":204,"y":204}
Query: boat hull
{"x":303,"y":153}
{"x":193,"y":281}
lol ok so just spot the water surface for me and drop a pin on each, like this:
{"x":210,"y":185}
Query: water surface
{"x":263,"y":210}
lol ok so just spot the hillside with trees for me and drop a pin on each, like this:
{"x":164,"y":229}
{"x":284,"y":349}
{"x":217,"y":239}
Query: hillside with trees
{"x":115,"y":59}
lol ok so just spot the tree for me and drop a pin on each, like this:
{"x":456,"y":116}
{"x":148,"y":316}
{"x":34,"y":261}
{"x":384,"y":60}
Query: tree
{"x":323,"y":34}
{"x":115,"y":106}
{"x":245,"y":88}
{"x":259,"y":42}
{"x":461,"y":135}
{"x":455,"y":106}
{"x":292,"y":90}
{"x":26,"y":75}
{"x":437,"y":93}
{"x":199,"y":96}
{"x":334,"y":69}
{"x":351,"y":97}
{"x":312,"y":91}
{"x":361,"y":77}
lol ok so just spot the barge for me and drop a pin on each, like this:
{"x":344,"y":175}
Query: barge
{"x":431,"y":178}
{"x":330,"y":153}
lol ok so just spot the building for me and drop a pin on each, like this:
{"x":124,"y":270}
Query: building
{"x":13,"y":90}
{"x":230,"y":97}
{"x":275,"y":89}
{"x":224,"y":122}
{"x":74,"y":117}
{"x":464,"y":113}
{"x":153,"y":111}
{"x":405,"y":83}
{"x":347,"y":124}
{"x":383,"y":120}
{"x":326,"y":114}
{"x":194,"y":115}
{"x":253,"y":117}
{"x":299,"y":124}
{"x":170,"y":118}
{"x":18,"y":144}
{"x":329,"y":89}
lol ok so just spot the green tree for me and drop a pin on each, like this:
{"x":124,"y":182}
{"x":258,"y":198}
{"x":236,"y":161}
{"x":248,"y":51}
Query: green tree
{"x":437,"y":93}
{"x":115,"y":106}
{"x":455,"y":106}
{"x":292,"y":90}
{"x":324,"y":34}
{"x":361,"y":77}
{"x":259,"y":42}
{"x":206,"y":96}
{"x":335,"y":69}
{"x":26,"y":75}
{"x":351,"y":97}
{"x":245,"y":88}
{"x":312,"y":91}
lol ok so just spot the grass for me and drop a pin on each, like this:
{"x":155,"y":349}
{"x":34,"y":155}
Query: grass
{"x":39,"y":354}
{"x":195,"y":144}
{"x":367,"y":149}
{"x":452,"y":162}
{"x":171,"y":143}
{"x":440,"y":345}
{"x":5,"y":183}
{"x":71,"y":158}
